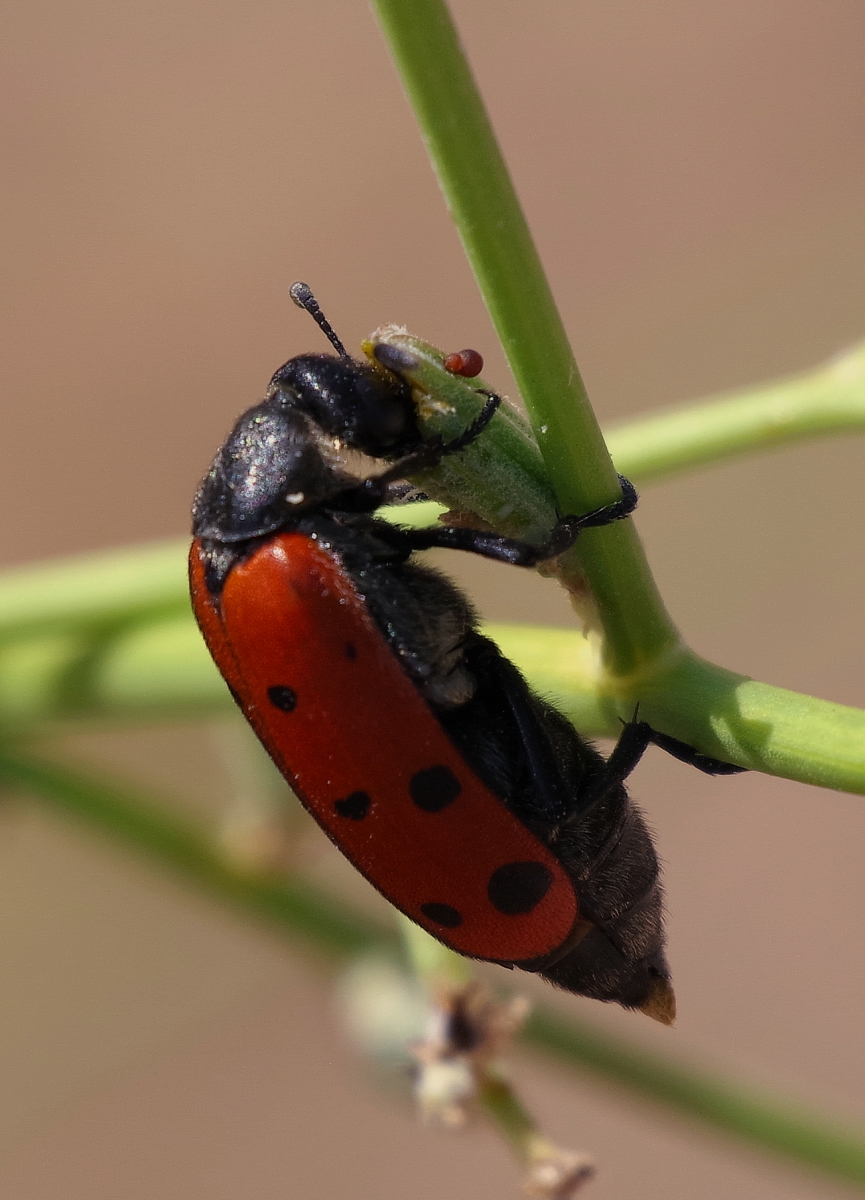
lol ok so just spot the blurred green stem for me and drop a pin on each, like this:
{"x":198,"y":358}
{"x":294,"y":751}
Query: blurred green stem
{"x":828,"y":399}
{"x":298,"y":909}
{"x":156,"y":831}
{"x":113,"y":664}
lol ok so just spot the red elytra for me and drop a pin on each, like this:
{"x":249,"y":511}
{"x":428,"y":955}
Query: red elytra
{"x":356,"y":741}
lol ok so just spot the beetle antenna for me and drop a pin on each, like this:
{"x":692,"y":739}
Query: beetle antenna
{"x":301,"y":294}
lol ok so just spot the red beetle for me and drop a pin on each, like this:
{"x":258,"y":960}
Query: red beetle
{"x":469,"y":802}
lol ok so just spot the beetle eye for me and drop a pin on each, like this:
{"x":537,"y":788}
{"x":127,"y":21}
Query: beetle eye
{"x":383,"y":416}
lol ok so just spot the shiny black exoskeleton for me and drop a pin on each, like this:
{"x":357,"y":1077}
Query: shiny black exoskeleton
{"x":284,"y":468}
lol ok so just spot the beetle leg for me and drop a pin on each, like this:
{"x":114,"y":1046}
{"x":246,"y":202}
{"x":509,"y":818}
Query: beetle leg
{"x":633,"y":741}
{"x":511,"y":550}
{"x":687,"y":754}
{"x":477,"y":426}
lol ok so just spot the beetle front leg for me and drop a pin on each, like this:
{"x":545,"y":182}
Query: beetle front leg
{"x":512,"y":550}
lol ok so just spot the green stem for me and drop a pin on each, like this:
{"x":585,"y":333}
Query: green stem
{"x":298,"y":909}
{"x":114,"y":590}
{"x":113,"y":674}
{"x":829,"y":399}
{"x":160,"y":670}
{"x":532,"y":1148}
{"x":728,"y":716}
{"x":484,"y":205}
{"x":725,"y":1106}
{"x":104,"y":590}
{"x":511,"y":1117}
{"x":152,"y":830}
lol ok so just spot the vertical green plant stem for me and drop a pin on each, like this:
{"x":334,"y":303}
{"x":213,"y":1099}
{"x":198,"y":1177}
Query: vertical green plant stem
{"x":484,"y":205}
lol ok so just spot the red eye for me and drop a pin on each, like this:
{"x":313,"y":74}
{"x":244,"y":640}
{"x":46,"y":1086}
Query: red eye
{"x":464,"y":362}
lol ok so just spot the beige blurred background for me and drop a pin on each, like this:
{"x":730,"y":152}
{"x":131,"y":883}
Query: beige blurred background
{"x":696,"y":180}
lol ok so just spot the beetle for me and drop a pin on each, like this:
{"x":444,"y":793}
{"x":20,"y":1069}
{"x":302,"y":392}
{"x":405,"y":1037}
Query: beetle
{"x":469,"y":802}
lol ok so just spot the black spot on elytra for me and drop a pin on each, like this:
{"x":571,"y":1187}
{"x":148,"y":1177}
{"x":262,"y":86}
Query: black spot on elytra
{"x":434,"y":789}
{"x":442,"y":914}
{"x":355,"y":806}
{"x":518,"y":886}
{"x":282,"y":697}
{"x":350,"y":650}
